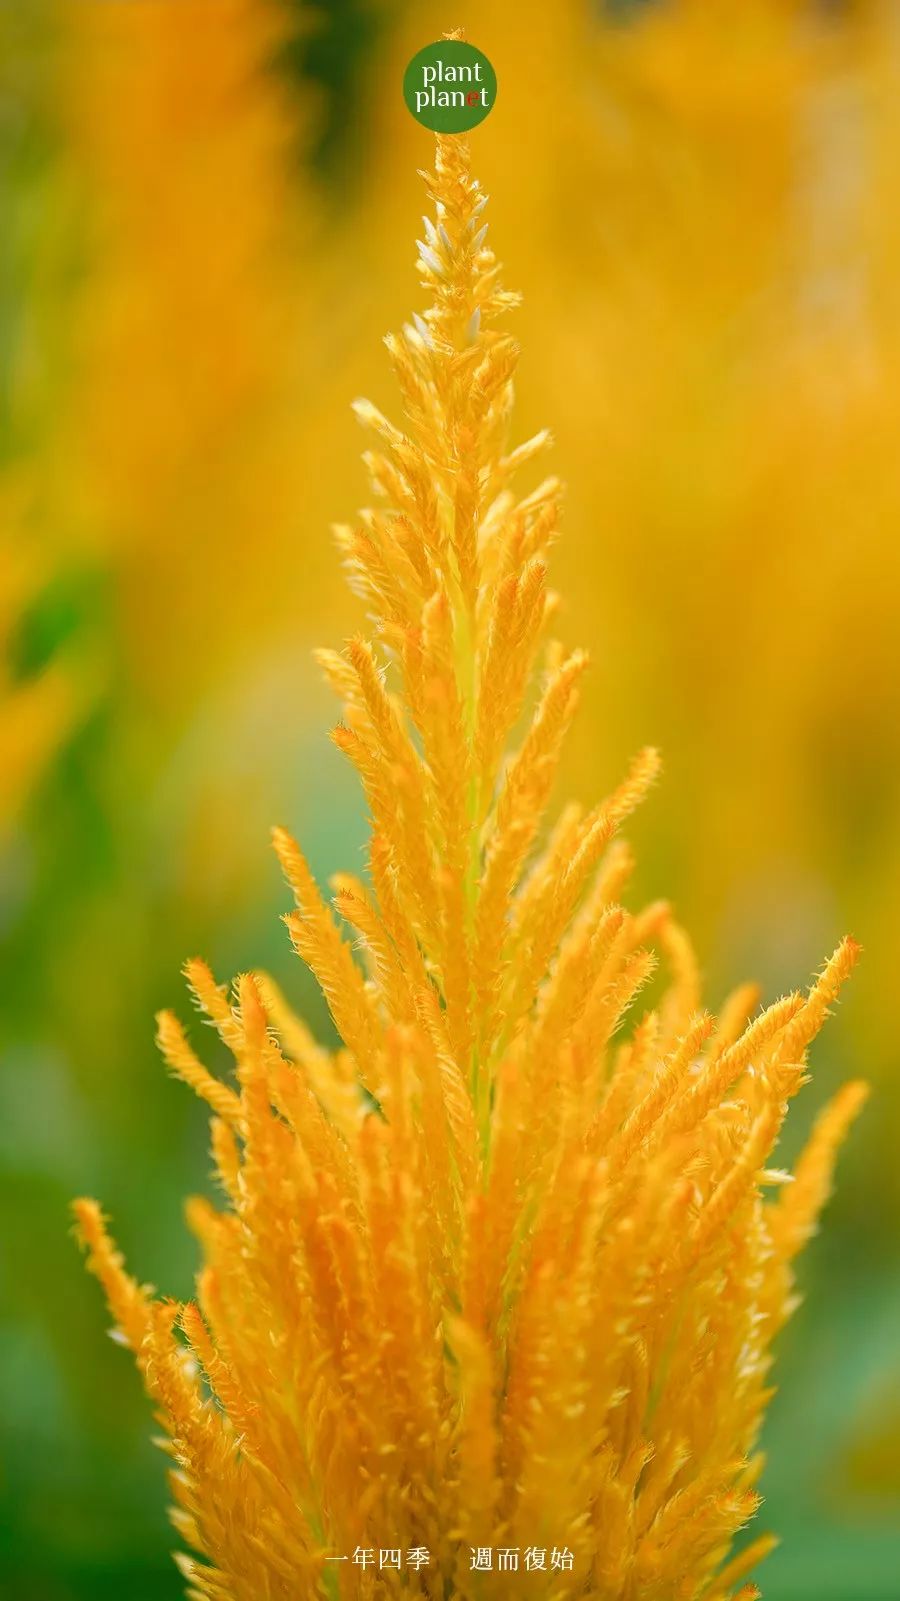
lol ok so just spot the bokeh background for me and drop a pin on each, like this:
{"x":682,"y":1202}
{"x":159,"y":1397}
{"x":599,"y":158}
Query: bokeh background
{"x":209,"y":209}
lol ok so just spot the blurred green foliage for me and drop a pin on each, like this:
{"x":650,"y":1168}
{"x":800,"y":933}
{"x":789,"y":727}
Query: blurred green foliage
{"x":93,"y":930}
{"x":332,"y":46}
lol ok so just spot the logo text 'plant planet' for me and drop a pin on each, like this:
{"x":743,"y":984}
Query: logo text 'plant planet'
{"x":450,"y":86}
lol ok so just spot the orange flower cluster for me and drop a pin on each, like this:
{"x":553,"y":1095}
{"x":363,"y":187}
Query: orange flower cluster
{"x":501,"y":1271}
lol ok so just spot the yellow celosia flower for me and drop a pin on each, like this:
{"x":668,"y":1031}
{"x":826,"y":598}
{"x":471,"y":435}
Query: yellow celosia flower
{"x":716,"y":344}
{"x":496,"y":1282}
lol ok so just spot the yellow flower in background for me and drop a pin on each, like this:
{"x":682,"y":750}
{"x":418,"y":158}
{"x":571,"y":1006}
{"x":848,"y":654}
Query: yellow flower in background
{"x":193,"y":437}
{"x":181,"y":138}
{"x":196,"y":326}
{"x":500,"y":1274}
{"x":39,"y":701}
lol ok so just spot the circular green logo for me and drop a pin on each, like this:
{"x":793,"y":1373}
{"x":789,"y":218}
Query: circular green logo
{"x":450,"y":86}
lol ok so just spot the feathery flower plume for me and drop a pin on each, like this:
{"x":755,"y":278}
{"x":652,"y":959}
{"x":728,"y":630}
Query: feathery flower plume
{"x":495,"y":1284}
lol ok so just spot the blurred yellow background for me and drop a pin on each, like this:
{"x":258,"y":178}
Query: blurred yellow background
{"x":208,"y":208}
